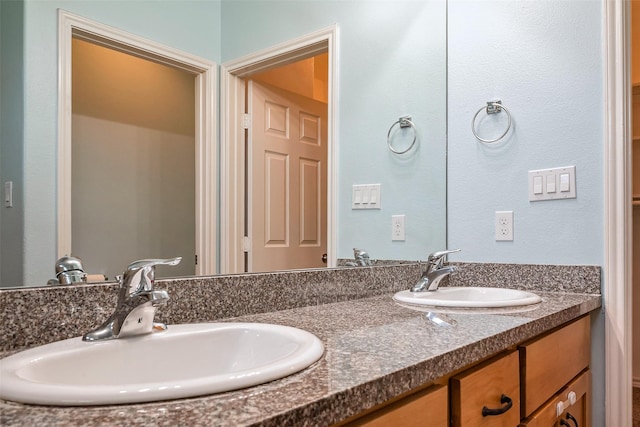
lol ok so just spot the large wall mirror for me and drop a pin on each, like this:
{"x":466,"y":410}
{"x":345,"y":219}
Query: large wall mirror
{"x":390,"y":61}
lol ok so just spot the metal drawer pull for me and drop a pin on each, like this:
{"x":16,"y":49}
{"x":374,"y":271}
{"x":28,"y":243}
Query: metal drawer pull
{"x":503,"y":399}
{"x":563,"y":423}
{"x":572,"y":418}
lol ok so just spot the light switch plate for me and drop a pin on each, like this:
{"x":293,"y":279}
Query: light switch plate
{"x":557,"y":183}
{"x":366,"y":196}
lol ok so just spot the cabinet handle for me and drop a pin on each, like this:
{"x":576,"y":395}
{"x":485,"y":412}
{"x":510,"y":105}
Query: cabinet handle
{"x":564,"y":423}
{"x":573,"y":419}
{"x":503,"y":399}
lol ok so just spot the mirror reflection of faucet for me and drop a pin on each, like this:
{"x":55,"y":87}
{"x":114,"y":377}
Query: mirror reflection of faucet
{"x":69,"y":271}
{"x":361,"y":258}
{"x":137,"y":303}
{"x":434,"y":272}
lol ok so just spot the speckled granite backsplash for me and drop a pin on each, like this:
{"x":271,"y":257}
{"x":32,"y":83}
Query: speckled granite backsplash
{"x":35,"y":316}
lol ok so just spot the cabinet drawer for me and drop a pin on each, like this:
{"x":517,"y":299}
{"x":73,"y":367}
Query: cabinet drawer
{"x":483,"y":387}
{"x":550,"y":362}
{"x":580,"y":411}
{"x":425,"y":408}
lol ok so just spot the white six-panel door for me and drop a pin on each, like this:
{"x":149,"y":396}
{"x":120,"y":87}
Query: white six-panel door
{"x":287,"y":194}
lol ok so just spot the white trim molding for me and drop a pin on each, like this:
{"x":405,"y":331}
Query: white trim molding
{"x":69,"y":26}
{"x":618,"y":249}
{"x":232,"y":138}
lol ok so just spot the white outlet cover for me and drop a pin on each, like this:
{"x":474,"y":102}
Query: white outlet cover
{"x":504,"y":226}
{"x":397,"y":228}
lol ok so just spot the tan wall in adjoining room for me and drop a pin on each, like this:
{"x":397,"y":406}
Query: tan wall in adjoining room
{"x":308,"y":77}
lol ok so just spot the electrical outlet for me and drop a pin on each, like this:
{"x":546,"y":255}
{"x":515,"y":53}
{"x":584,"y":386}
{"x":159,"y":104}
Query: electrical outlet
{"x":504,"y":226}
{"x":397,"y":227}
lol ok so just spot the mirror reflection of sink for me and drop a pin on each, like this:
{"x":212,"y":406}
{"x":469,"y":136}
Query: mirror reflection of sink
{"x":183,"y":361}
{"x":469,"y":297}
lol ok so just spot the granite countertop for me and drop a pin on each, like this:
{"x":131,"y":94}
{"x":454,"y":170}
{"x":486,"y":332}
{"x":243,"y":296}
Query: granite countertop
{"x":375,"y":350}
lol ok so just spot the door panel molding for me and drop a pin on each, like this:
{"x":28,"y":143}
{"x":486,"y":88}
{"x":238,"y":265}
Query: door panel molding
{"x":71,"y":25}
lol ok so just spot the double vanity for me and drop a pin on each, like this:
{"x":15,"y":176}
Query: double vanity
{"x":375,"y":358}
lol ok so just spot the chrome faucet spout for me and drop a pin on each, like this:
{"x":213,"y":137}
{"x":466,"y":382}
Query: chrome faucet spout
{"x":137,"y":303}
{"x":435,"y":272}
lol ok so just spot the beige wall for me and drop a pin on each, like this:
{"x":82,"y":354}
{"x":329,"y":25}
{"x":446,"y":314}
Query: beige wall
{"x":133,"y":175}
{"x":308,"y":77}
{"x":124,"y":89}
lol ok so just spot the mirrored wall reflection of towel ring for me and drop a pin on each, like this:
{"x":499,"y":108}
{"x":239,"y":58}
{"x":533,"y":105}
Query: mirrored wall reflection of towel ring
{"x":403,"y":122}
{"x":493,"y":107}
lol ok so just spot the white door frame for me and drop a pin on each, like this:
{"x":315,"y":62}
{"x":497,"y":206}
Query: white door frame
{"x":232,"y":174}
{"x":70,"y":25}
{"x":617,"y":287}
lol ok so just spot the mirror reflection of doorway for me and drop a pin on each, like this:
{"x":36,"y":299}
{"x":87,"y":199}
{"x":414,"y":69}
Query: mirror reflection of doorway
{"x":286,"y":185}
{"x":235,"y":244}
{"x":133,"y":151}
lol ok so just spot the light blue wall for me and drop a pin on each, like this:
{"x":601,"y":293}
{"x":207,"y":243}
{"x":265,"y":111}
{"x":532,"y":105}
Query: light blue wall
{"x":392,"y":62}
{"x":191,"y":26}
{"x":544,"y":60}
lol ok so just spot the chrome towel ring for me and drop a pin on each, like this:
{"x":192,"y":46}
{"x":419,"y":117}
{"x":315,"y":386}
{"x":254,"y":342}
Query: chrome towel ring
{"x":493,"y":107}
{"x":403,"y":122}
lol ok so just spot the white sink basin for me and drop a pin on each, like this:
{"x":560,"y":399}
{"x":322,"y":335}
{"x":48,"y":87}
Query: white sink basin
{"x":469,"y":297}
{"x":183,"y":361}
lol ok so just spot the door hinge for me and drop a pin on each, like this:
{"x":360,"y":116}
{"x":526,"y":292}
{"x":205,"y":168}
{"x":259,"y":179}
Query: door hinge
{"x":196,"y":259}
{"x":246,"y":121}
{"x":246,"y":244}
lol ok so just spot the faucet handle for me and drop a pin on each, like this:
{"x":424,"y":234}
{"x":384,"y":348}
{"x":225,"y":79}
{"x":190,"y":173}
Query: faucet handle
{"x":437,"y":258}
{"x":140,"y":274}
{"x":146,"y":263}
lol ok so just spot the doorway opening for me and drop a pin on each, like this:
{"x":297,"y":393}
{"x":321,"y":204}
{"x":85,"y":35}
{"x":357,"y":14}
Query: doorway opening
{"x":76,"y":29}
{"x":133,"y":151}
{"x":239,"y":238}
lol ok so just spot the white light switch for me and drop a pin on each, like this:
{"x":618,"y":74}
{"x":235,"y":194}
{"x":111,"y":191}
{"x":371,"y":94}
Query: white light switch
{"x":537,"y":185}
{"x":552,"y":184}
{"x":357,"y":196}
{"x":564,"y":182}
{"x":366,"y":196}
{"x":8,"y":194}
{"x":373,"y":197}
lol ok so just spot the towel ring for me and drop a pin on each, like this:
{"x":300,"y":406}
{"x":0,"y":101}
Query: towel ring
{"x":404,"y":122}
{"x":493,"y":107}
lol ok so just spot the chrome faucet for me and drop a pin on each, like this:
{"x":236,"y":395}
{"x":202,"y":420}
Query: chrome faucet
{"x":362,"y":257}
{"x":434,"y":272}
{"x":137,"y":303}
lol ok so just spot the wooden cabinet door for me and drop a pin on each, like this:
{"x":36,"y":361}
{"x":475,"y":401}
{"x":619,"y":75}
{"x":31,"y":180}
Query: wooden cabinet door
{"x":548,"y":363}
{"x":426,"y":408}
{"x":494,"y":385}
{"x":547,"y":414}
